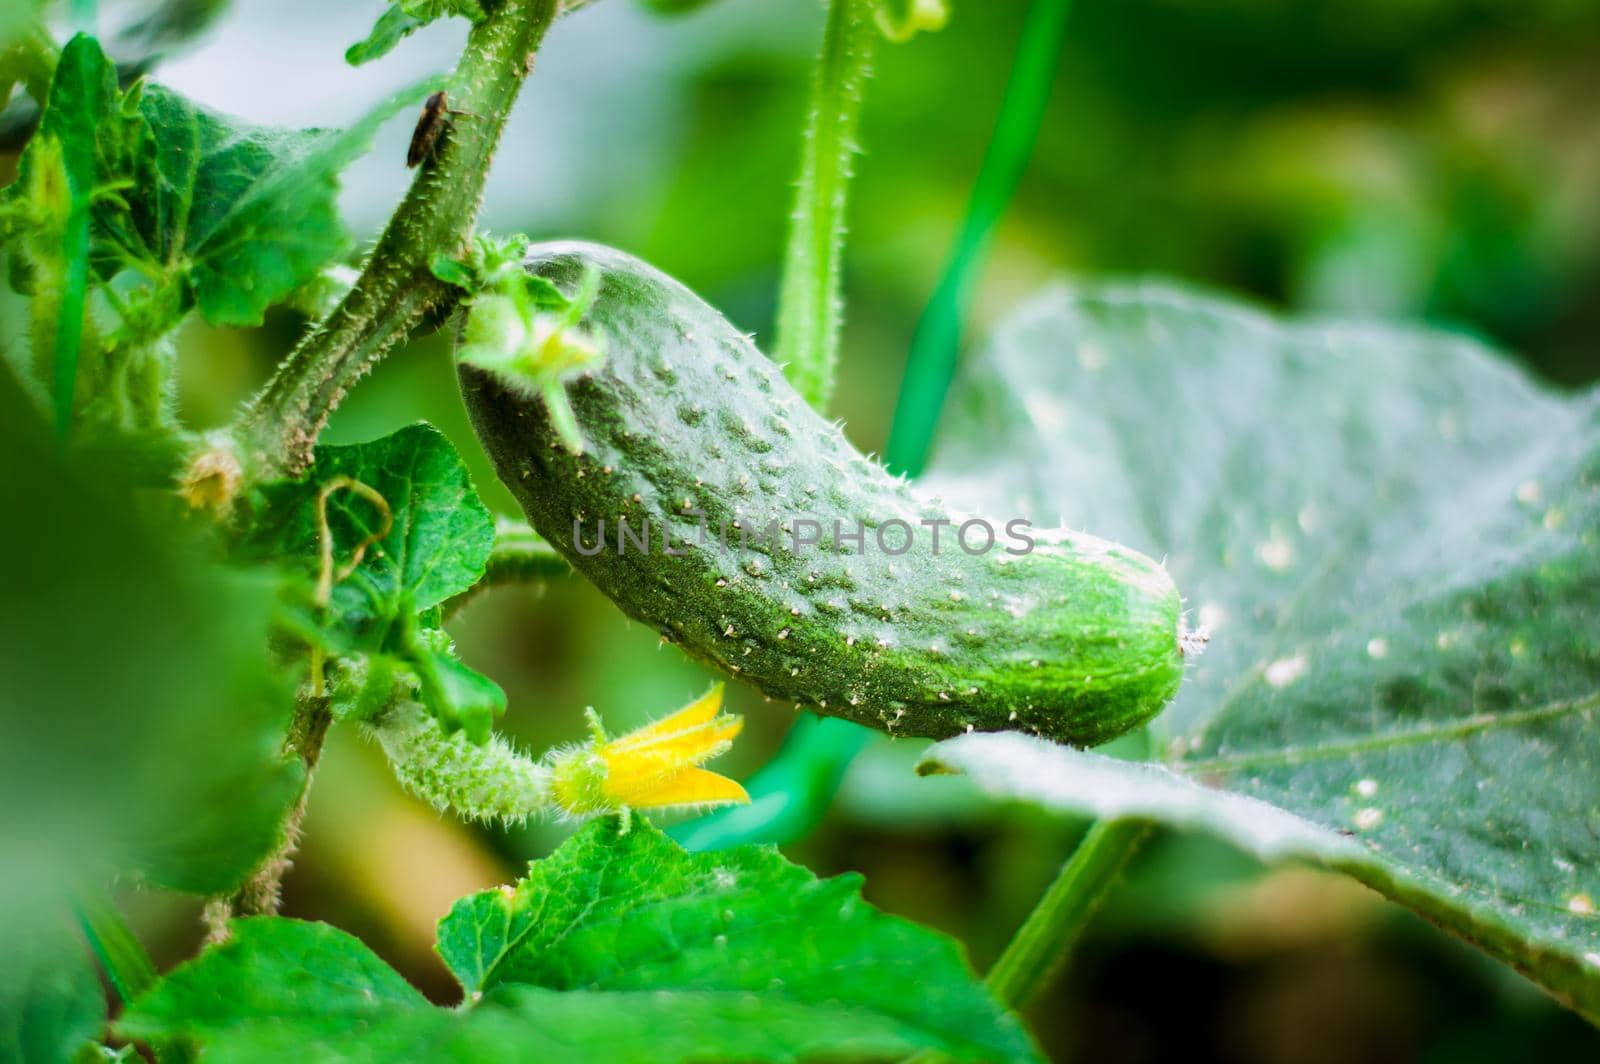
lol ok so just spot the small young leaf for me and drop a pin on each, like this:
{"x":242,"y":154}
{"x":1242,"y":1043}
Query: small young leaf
{"x":460,"y":697}
{"x":1395,"y":538}
{"x":427,"y":539}
{"x":404,"y":18}
{"x":450,"y":271}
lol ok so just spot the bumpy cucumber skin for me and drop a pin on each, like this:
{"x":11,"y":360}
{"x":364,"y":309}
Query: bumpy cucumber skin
{"x":1078,"y":641}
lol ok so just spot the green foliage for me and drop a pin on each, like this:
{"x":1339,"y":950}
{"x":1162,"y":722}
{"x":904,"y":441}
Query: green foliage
{"x":381,"y":533}
{"x":212,"y":212}
{"x":164,"y":207}
{"x":404,"y":18}
{"x":1396,"y":539}
{"x":50,"y":1003}
{"x":618,"y":947}
{"x":1393,"y":537}
{"x":163,"y":757}
{"x":419,"y":535}
{"x":46,"y":211}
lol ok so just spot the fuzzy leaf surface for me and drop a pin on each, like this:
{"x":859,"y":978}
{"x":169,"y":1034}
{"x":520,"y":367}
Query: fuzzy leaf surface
{"x":1395,"y":537}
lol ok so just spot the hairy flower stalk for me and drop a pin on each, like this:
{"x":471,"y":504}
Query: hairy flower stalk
{"x":654,"y":767}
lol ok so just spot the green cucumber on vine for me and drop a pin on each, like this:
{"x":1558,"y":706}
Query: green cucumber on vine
{"x":711,"y":502}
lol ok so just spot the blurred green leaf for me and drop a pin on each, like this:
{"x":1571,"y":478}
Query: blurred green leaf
{"x":82,"y":93}
{"x":404,"y":18}
{"x":143,"y":719}
{"x":1396,"y":538}
{"x":121,"y":954}
{"x":901,"y":20}
{"x":618,"y":947}
{"x":50,"y":1001}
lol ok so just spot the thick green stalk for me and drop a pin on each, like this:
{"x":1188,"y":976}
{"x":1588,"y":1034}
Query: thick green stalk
{"x":1041,"y":944}
{"x":937,"y":342}
{"x":809,"y":305}
{"x":396,"y":289}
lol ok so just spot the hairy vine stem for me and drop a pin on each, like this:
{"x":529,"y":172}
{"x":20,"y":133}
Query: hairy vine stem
{"x":809,"y":305}
{"x":275,"y":434}
{"x":263,"y":891}
{"x":520,"y":556}
{"x":397,"y":290}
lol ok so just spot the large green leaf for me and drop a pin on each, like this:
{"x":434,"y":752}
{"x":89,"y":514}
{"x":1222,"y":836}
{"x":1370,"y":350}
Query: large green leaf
{"x":214,"y":212}
{"x":141,"y":717}
{"x":275,"y":971}
{"x":618,"y":948}
{"x":1395,"y":538}
{"x":738,"y":933}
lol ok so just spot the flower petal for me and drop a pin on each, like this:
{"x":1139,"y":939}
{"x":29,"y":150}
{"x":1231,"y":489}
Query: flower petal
{"x":699,"y":712}
{"x":692,"y":786}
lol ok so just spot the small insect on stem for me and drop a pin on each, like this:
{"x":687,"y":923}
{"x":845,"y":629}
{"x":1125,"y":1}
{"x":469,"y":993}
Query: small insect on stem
{"x":431,"y":125}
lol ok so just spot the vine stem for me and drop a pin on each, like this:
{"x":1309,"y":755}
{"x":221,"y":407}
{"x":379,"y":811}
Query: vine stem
{"x":396,"y":290}
{"x":519,"y":556}
{"x":277,"y":431}
{"x":1041,"y":944}
{"x":262,"y":893}
{"x":810,"y":309}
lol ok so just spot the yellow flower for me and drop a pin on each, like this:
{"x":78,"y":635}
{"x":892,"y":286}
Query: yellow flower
{"x":657,"y":766}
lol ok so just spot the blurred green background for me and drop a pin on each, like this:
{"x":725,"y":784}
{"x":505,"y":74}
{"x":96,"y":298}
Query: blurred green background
{"x":1418,"y":159}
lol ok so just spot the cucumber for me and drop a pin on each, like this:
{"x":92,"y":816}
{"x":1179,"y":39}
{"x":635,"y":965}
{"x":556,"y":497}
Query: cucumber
{"x":1077,"y":640}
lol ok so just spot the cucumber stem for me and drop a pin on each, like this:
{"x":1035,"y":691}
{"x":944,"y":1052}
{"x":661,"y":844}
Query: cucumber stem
{"x":520,"y":556}
{"x":1041,"y":944}
{"x":810,"y":309}
{"x":397,"y":290}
